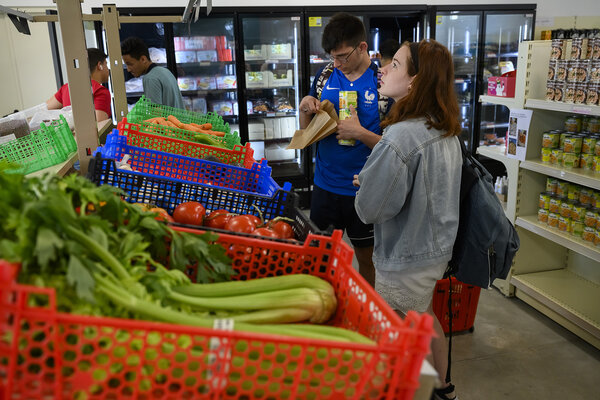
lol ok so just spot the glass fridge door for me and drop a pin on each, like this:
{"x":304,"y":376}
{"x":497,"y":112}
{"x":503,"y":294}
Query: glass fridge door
{"x":503,"y":33}
{"x":460,"y":33}
{"x":272,"y":93}
{"x":206,"y":73}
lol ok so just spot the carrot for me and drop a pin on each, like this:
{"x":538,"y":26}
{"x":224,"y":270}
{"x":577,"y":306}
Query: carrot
{"x":217,"y":133}
{"x":160,"y":121}
{"x":173,"y":119}
{"x":190,"y":127}
{"x":151,"y":120}
{"x":206,"y":127}
{"x":170,"y":123}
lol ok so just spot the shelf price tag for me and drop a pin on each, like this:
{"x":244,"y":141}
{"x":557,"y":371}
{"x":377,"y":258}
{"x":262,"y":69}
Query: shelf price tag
{"x":582,"y":110}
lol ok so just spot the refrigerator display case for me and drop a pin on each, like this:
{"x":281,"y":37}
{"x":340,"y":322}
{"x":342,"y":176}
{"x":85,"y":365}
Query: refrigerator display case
{"x":481,"y":40}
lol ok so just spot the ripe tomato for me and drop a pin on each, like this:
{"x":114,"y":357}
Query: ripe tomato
{"x":240,"y":223}
{"x":282,"y":229}
{"x":265,"y":232}
{"x":163,"y":215}
{"x":254,"y":219}
{"x":217,"y":219}
{"x":191,"y":213}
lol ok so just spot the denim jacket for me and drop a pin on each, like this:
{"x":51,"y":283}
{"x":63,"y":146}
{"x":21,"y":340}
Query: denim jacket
{"x":409,"y":190}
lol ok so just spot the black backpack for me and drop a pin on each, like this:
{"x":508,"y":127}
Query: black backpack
{"x":486,"y":241}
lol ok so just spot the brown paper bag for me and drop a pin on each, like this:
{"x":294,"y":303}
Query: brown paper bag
{"x":323,"y":124}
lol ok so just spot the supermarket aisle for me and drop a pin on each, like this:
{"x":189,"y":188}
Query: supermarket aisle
{"x":517,"y":353}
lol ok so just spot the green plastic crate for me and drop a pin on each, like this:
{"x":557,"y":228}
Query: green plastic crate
{"x":144,"y":109}
{"x":42,"y":148}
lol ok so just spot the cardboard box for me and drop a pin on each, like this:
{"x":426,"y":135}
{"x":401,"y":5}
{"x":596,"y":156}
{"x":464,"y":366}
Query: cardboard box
{"x":206,"y":55}
{"x":269,"y":128}
{"x":501,"y":86}
{"x":227,"y":82}
{"x":206,"y":83}
{"x":256,"y":79}
{"x":256,"y":131}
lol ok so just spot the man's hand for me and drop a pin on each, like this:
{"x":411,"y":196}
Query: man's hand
{"x":308,"y":107}
{"x":350,"y":128}
{"x":355,"y":181}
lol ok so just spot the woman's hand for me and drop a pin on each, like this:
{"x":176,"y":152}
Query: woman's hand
{"x":355,"y":181}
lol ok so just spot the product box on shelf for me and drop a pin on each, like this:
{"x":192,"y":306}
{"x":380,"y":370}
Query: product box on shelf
{"x":187,"y":83}
{"x":222,"y":107}
{"x":206,"y":55}
{"x":185,"y":56}
{"x":257,"y":79}
{"x":279,"y":51}
{"x":46,"y":353}
{"x":501,"y":86}
{"x":280,"y":78}
{"x":258,"y":52}
{"x":278,"y":152}
{"x":199,"y":105}
{"x":226,"y":82}
{"x":206,"y":82}
{"x":256,"y":131}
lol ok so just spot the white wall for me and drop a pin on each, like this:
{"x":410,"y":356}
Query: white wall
{"x":545,"y":8}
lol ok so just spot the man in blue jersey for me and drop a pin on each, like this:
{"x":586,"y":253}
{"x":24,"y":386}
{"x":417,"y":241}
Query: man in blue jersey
{"x":345,"y":40}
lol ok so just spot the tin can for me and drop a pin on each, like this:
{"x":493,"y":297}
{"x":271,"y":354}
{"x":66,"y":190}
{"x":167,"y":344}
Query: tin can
{"x":594,"y":125}
{"x":546,"y":153}
{"x":566,"y":207}
{"x":596,"y":48}
{"x":573,"y":192}
{"x":593,"y":94}
{"x":580,"y":93}
{"x":582,"y":71}
{"x":585,"y":196}
{"x":563,"y":136}
{"x":586,"y":162}
{"x":570,"y":160}
{"x":544,"y":202}
{"x":556,"y":157}
{"x":595,"y":198}
{"x":550,"y":86}
{"x":561,"y":71}
{"x":550,"y":139}
{"x":559,"y":91}
{"x":542,"y":216}
{"x":595,"y":71}
{"x":554,"y":205}
{"x":558,"y":49}
{"x":347,"y":98}
{"x":597,"y":238}
{"x":551,"y":184}
{"x":578,"y":212}
{"x":552,"y":65}
{"x":591,"y":215}
{"x":588,"y":234}
{"x":588,"y":144}
{"x":577,"y":228}
{"x":569,"y":97}
{"x":573,"y":144}
{"x":572,"y":71}
{"x":564,"y":224}
{"x":596,"y":164}
{"x":573,"y":124}
{"x":553,"y":220}
{"x":578,"y":48}
{"x":562,"y":189}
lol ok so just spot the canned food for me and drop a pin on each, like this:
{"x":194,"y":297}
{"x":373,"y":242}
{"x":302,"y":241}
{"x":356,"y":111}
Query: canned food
{"x":561,"y":71}
{"x":556,"y":157}
{"x":543,"y":216}
{"x":546,"y":153}
{"x":562,"y":189}
{"x":564,"y":224}
{"x":563,"y":136}
{"x":558,"y":49}
{"x":588,"y":144}
{"x":578,"y":48}
{"x":551,"y":185}
{"x":593,"y":95}
{"x":573,"y":144}
{"x":595,"y":198}
{"x":569,"y":97}
{"x":590,"y":217}
{"x":595,"y":71}
{"x":550,"y":85}
{"x":553,"y":220}
{"x":588,"y":234}
{"x":580,"y":93}
{"x":596,"y":48}
{"x":586,"y":162}
{"x":573,"y":124}
{"x":572,"y":71}
{"x":596,"y":164}
{"x":594,"y":125}
{"x":566,"y":207}
{"x":585,"y":196}
{"x":554,"y":206}
{"x":578,"y":212}
{"x":573,"y":192}
{"x":597,"y":238}
{"x":550,"y":140}
{"x":544,"y":202}
{"x":582,"y":72}
{"x":570,"y":160}
{"x":552,"y":70}
{"x":559,"y":91}
{"x":577,"y":228}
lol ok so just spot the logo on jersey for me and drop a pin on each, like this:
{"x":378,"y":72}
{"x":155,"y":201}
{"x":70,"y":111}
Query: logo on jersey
{"x":370,"y":96}
{"x":332,"y":88}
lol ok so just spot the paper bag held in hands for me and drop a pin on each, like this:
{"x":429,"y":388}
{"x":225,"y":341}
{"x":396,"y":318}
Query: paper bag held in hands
{"x":323,"y":124}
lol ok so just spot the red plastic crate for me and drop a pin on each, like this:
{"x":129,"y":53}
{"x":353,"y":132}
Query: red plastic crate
{"x":464,"y":304}
{"x":47,"y":354}
{"x":239,"y":155}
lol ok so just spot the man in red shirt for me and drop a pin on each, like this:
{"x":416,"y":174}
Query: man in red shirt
{"x":99,"y":73}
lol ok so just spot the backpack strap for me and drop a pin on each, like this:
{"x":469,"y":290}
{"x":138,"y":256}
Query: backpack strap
{"x":322,"y":79}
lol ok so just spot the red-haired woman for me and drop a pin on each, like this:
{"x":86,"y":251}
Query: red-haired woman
{"x":409,"y":187}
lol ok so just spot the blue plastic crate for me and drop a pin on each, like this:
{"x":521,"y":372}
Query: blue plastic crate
{"x":145,"y":162}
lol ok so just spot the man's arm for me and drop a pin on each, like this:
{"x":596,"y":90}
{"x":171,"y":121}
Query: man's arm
{"x":352,"y":129}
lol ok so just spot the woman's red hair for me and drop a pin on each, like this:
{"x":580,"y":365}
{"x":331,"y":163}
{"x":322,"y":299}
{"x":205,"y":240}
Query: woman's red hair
{"x":432,"y":90}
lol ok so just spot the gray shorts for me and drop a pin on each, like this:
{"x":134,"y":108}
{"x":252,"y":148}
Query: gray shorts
{"x":409,"y":289}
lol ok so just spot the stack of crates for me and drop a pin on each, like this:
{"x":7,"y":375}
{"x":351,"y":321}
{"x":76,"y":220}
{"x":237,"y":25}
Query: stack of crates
{"x":166,"y":166}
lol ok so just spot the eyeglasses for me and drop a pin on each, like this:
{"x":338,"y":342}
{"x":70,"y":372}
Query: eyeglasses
{"x":343,"y":59}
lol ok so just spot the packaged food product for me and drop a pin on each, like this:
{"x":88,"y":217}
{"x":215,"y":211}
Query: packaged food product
{"x":596,"y":164}
{"x":588,"y":145}
{"x":550,"y":139}
{"x":594,"y":125}
{"x":544,"y":201}
{"x":226,"y":82}
{"x":573,"y":123}
{"x":597,"y":238}
{"x":543,"y":216}
{"x":577,"y":228}
{"x":583,"y":70}
{"x":186,"y":83}
{"x":578,"y":212}
{"x":566,"y":207}
{"x":558,"y":49}
{"x":595,"y":198}
{"x":550,"y":87}
{"x":586,"y":162}
{"x":578,"y":47}
{"x":570,"y":160}
{"x":595,"y":71}
{"x":185,"y":57}
{"x":564,"y":224}
{"x":572,"y":71}
{"x":260,"y":106}
{"x":573,"y":191}
{"x":347,"y":98}
{"x":282,"y":103}
{"x":546,"y":154}
{"x":556,"y":157}
{"x":588,"y":234}
{"x":559,"y":91}
{"x":553,"y":220}
{"x":569,"y":97}
{"x":554,"y":206}
{"x":562,"y":67}
{"x":580,"y":93}
{"x":585,"y":196}
{"x":593,"y":94}
{"x":206,"y":82}
{"x":562,"y":188}
{"x":590,"y":217}
{"x":551,"y":184}
{"x":596,"y":48}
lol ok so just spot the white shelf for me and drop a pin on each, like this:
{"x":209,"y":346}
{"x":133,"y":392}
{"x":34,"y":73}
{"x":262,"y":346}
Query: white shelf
{"x":563,"y":107}
{"x":575,"y":175}
{"x":564,"y":239}
{"x":566,"y":294}
{"x":509,"y":102}
{"x":495,"y":152}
